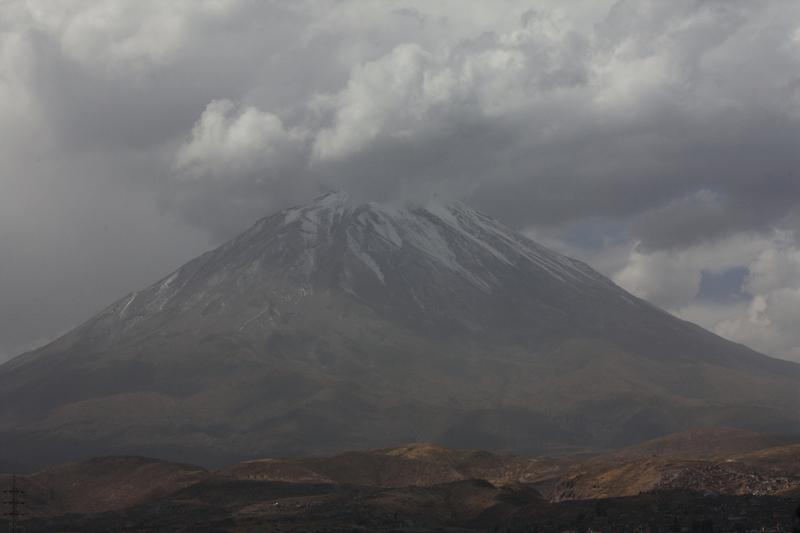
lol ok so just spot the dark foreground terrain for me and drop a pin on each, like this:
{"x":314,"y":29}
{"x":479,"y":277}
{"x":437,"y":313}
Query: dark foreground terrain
{"x":461,"y":506}
{"x":721,"y":480}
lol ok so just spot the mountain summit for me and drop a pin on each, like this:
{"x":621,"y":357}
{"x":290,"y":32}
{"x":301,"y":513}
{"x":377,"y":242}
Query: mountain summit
{"x":345,"y":325}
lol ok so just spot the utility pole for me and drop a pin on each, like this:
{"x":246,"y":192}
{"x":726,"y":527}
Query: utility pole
{"x":14,"y":503}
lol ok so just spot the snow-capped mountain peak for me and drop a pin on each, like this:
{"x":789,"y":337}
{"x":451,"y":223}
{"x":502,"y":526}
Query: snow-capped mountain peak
{"x":346,"y":324}
{"x":434,"y":263}
{"x":451,"y":236}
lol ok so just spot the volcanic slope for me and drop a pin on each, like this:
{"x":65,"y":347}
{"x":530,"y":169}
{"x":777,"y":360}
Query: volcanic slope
{"x":340,"y":325}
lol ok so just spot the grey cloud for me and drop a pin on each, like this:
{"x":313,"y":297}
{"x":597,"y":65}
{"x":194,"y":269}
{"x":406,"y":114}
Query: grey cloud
{"x":549,"y":125}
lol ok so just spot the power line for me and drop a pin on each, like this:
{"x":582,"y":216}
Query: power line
{"x":15,"y":504}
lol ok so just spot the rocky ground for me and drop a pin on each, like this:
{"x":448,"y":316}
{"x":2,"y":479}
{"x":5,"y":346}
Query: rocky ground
{"x":747,"y":482}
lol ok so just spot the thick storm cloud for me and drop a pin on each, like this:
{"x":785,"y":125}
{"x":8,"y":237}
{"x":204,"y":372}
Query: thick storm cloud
{"x":657,"y":140}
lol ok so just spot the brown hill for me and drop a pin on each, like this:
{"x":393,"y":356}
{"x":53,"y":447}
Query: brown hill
{"x":721,"y":461}
{"x":413,"y":465}
{"x":103,"y":484}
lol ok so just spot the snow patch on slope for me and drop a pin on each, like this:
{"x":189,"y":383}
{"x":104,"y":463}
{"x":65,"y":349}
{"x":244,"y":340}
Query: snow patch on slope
{"x":447,"y":215}
{"x":381,"y":224}
{"x":127,"y":304}
{"x":356,"y":249}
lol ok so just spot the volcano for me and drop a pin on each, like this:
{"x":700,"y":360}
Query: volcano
{"x":345,"y":325}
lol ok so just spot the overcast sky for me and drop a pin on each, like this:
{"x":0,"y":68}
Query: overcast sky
{"x":657,"y":140}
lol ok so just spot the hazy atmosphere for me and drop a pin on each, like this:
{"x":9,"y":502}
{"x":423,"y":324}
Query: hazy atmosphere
{"x":658,"y":141}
